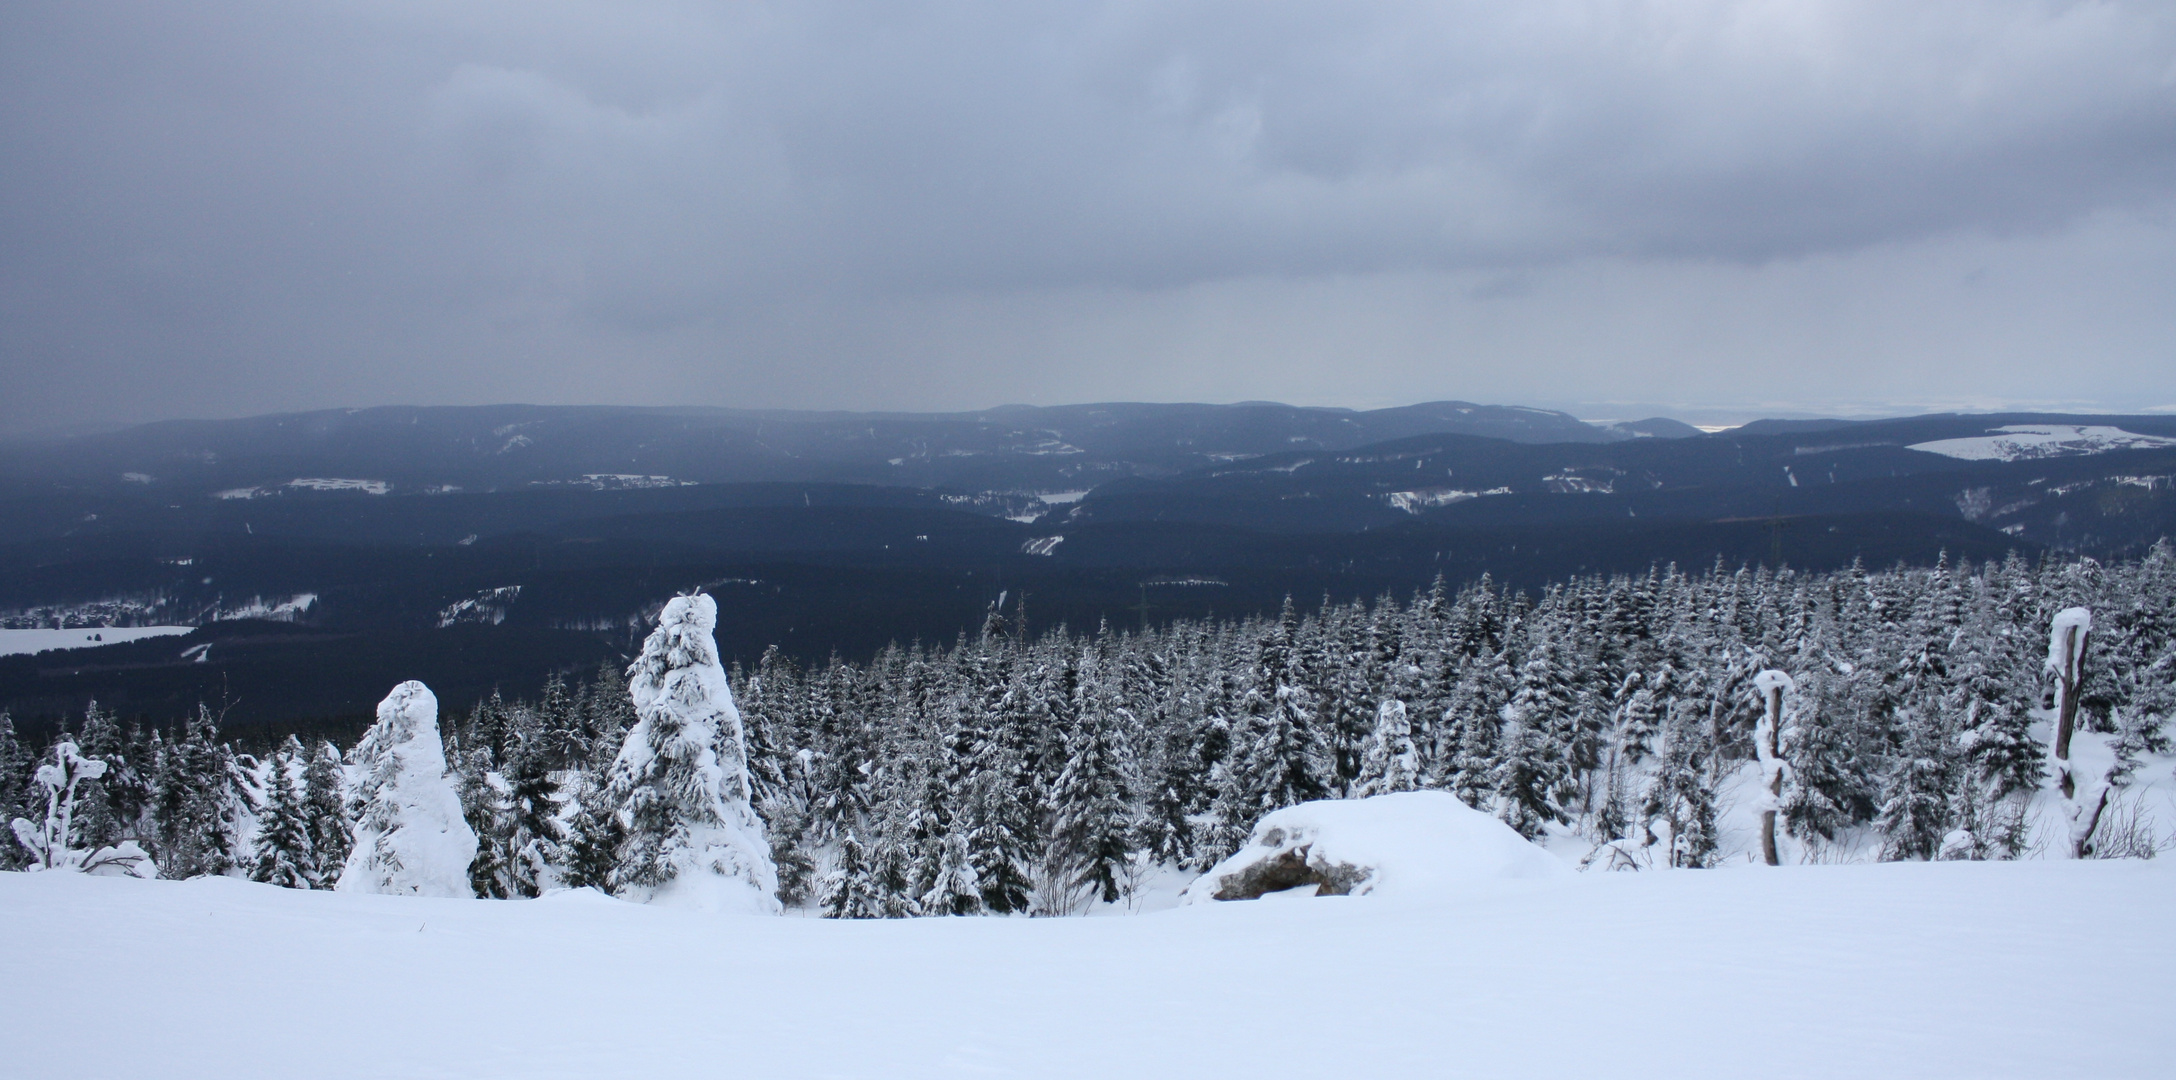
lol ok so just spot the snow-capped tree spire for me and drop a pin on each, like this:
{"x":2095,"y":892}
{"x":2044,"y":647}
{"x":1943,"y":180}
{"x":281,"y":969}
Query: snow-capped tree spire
{"x":410,"y":836}
{"x":681,"y":779}
{"x":1772,"y":685}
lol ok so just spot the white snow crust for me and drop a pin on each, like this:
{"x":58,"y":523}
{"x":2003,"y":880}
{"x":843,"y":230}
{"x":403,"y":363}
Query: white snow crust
{"x":411,"y":839}
{"x":1923,"y":970}
{"x":1408,"y":844}
{"x":2020,"y":441}
{"x":26,"y":642}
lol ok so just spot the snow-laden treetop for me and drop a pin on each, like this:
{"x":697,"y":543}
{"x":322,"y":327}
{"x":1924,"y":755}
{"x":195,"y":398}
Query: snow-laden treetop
{"x":1771,"y":680}
{"x":678,"y":672}
{"x":409,"y":711}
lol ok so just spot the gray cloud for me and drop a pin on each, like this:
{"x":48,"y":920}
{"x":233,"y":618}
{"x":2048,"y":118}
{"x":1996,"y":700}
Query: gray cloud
{"x":227,"y":208}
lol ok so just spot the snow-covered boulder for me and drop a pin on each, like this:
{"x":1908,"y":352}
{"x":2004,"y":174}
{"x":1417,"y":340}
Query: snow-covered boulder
{"x":1406,"y":844}
{"x":410,"y":836}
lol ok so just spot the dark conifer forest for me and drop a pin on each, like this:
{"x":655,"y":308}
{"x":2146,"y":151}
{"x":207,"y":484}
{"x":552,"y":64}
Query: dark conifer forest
{"x":1038,"y":772}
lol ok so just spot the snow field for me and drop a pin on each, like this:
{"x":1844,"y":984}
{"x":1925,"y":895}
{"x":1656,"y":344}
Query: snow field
{"x":26,"y":642}
{"x":2020,"y":441}
{"x":1893,"y":970}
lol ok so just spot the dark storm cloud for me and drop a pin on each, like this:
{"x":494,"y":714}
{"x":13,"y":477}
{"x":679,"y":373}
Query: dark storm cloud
{"x":226,"y":208}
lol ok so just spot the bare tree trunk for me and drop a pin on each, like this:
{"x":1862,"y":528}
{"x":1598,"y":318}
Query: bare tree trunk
{"x":1768,"y":745}
{"x":2066,"y":706}
{"x":2066,"y":659}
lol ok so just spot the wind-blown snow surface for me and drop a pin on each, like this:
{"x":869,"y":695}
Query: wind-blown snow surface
{"x":1893,"y":970}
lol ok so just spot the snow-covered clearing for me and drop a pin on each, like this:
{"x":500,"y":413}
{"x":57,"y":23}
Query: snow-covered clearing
{"x":333,"y":483}
{"x":24,"y":642}
{"x":2020,"y":441}
{"x":1892,"y":970}
{"x":1413,"y":502}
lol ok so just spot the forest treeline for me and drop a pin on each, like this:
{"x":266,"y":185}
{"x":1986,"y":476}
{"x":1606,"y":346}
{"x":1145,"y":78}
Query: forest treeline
{"x":1010,"y":772}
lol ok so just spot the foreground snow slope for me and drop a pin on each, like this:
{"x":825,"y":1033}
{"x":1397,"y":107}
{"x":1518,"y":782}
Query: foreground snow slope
{"x":1919,"y":970}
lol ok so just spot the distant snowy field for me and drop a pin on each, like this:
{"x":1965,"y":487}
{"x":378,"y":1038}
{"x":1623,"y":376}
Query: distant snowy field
{"x":2020,"y":441}
{"x":2027,"y":969}
{"x":21,"y":642}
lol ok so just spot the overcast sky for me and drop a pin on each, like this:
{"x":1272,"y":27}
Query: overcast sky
{"x":1693,"y":206}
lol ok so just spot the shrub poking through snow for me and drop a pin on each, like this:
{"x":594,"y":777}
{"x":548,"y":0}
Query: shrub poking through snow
{"x":692,"y":837}
{"x":410,"y":836}
{"x":53,"y":841}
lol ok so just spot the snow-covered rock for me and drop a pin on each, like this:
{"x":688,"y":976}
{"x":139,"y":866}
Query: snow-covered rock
{"x":1406,"y":844}
{"x":410,"y":836}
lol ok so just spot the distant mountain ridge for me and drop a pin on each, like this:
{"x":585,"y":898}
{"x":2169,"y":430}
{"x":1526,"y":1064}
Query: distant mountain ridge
{"x":496,"y":447}
{"x":507,"y":541}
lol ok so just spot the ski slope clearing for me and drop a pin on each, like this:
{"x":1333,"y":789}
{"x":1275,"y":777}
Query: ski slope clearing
{"x":25,"y":642}
{"x":2021,"y":441}
{"x":1893,"y":970}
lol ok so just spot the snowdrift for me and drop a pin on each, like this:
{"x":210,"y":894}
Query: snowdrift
{"x":1414,"y":843}
{"x":1921,"y":970}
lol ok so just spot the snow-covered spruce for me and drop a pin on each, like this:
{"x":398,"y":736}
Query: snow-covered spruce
{"x":410,"y":836}
{"x":681,"y":780}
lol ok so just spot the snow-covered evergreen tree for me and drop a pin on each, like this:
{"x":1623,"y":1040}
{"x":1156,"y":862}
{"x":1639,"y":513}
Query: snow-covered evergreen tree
{"x":1390,"y":763}
{"x":16,"y":789}
{"x":681,"y":779}
{"x":411,"y":838}
{"x":196,"y":809}
{"x":1916,"y":808}
{"x":110,"y":807}
{"x":325,"y":816}
{"x":1531,"y":778}
{"x":953,"y":889}
{"x":1679,"y":795}
{"x":283,"y":855}
{"x":1092,"y":799}
{"x":851,"y":890}
{"x":1280,"y":757}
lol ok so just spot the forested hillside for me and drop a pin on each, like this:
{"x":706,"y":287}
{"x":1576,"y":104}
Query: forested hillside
{"x":1004,"y":774}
